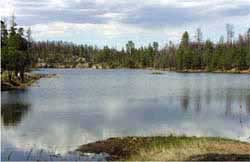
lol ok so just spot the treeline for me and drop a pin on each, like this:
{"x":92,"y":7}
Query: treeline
{"x":15,"y":50}
{"x":188,"y":55}
{"x":19,"y":52}
{"x":59,"y":52}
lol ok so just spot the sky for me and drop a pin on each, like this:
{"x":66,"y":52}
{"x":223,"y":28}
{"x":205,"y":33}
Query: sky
{"x":114,"y":22}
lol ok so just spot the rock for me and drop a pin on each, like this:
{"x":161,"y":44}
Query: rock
{"x":82,"y":65}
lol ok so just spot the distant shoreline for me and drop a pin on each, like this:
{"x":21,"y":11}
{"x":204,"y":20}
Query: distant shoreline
{"x":99,"y":66}
{"x":180,"y":148}
{"x":32,"y":78}
{"x":232,"y":71}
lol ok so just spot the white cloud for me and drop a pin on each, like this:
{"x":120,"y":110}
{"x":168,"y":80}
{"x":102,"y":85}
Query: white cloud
{"x":111,"y":29}
{"x":7,"y":8}
{"x":126,"y":19}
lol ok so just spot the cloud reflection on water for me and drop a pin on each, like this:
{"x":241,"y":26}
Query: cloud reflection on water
{"x":103,"y":104}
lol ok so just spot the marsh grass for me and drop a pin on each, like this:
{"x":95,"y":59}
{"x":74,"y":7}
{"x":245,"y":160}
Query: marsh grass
{"x":186,"y":148}
{"x":170,"y":148}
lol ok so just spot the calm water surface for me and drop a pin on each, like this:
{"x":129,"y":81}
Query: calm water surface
{"x":84,"y":105}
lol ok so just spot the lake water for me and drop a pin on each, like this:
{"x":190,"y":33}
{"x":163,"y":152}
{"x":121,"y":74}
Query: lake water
{"x":84,"y":105}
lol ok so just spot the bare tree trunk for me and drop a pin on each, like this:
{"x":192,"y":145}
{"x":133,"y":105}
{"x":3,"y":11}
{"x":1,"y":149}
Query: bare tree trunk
{"x":10,"y":75}
{"x":22,"y":75}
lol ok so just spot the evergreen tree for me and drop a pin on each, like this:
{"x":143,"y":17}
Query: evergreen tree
{"x":4,"y":47}
{"x":14,"y":50}
{"x":130,"y":47}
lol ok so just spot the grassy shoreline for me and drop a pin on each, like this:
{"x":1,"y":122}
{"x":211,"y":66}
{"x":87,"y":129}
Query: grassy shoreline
{"x":170,"y":148}
{"x":16,"y":84}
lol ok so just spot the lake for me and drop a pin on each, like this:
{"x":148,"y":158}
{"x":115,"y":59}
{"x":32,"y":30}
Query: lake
{"x":79,"y":106}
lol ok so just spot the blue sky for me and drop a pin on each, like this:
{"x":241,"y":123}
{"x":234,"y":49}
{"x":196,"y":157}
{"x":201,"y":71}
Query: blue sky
{"x":114,"y":22}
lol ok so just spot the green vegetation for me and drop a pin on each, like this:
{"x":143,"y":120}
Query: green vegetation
{"x":232,"y":55}
{"x":15,"y":51}
{"x":16,"y":83}
{"x":16,"y":57}
{"x":19,"y":53}
{"x":170,"y":148}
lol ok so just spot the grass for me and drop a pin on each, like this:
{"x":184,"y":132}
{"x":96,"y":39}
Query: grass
{"x":170,"y":148}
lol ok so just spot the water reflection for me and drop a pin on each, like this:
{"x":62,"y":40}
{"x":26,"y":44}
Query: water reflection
{"x":185,"y":100}
{"x":15,"y":105}
{"x":208,"y":96}
{"x":197,"y":102}
{"x":83,"y":106}
{"x":248,"y":104}
{"x":228,"y":105}
{"x":13,"y":113}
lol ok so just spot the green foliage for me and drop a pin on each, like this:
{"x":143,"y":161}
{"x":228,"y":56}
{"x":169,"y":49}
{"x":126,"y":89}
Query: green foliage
{"x":19,"y":52}
{"x":189,"y":55}
{"x":185,"y":40}
{"x":130,"y":47}
{"x":14,"y":50}
{"x":248,"y":58}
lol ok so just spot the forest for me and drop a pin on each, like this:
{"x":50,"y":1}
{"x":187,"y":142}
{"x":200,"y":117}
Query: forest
{"x":15,"y":50}
{"x":198,"y":54}
{"x":19,"y":53}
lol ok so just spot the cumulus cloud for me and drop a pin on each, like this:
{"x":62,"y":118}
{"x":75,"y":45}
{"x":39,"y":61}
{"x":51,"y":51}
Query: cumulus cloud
{"x":58,"y":28}
{"x":124,"y":18}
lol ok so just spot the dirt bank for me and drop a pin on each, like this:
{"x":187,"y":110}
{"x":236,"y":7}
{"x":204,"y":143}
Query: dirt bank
{"x":16,"y":84}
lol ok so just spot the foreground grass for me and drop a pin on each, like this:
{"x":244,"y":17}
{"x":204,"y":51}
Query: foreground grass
{"x":170,"y":148}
